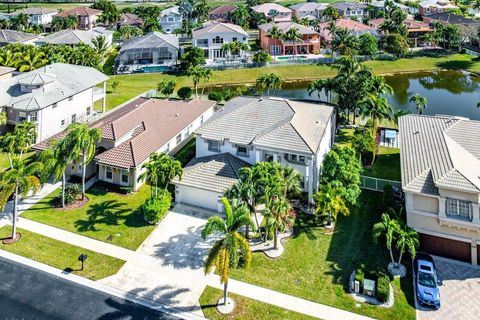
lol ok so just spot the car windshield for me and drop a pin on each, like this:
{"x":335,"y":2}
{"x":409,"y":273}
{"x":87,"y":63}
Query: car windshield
{"x":426,"y":279}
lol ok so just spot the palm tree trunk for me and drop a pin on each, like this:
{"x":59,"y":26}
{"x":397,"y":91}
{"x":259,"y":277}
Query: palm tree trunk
{"x":225,"y":291}
{"x":84,"y":171}
{"x":63,"y":189}
{"x":196,"y":89}
{"x":275,"y":239}
{"x":14,"y":218}
{"x":400,"y":259}
{"x":391,"y":256}
{"x":10,"y":160}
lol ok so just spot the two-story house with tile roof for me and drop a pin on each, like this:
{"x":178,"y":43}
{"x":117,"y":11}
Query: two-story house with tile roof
{"x":86,"y":17}
{"x":310,"y":43}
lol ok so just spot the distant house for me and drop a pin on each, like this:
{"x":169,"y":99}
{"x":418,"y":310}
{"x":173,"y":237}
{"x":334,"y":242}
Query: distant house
{"x":154,"y":48}
{"x":170,"y":19}
{"x":52,"y":97}
{"x":309,"y":45}
{"x":446,"y":18}
{"x":130,"y":19}
{"x":86,"y":17}
{"x":351,"y":10}
{"x":428,"y":7}
{"x":12,"y":36}
{"x":222,"y":13}
{"x":440,"y":164}
{"x":380,"y":6}
{"x":416,"y":29}
{"x":273,"y":12}
{"x":76,"y":37}
{"x":354,"y":27}
{"x":310,"y":10}
{"x":212,"y":35}
{"x":37,"y":15}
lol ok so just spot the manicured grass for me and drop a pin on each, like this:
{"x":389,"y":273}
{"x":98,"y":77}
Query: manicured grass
{"x":134,"y":84}
{"x":316,"y":266}
{"x":5,"y":163}
{"x":245,"y":308}
{"x":344,"y":137}
{"x":61,"y":255}
{"x":386,"y":165}
{"x":106,"y":214}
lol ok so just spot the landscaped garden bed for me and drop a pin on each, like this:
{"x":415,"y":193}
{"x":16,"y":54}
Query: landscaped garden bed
{"x":61,"y":255}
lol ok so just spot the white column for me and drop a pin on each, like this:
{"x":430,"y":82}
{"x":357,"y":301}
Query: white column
{"x":474,"y":252}
{"x":442,"y":212}
{"x":275,"y":156}
{"x":104,"y":100}
{"x":257,"y":156}
{"x":309,"y":181}
{"x":475,"y":213}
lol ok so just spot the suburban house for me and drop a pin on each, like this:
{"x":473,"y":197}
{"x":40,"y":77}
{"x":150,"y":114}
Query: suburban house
{"x":310,"y":10}
{"x":130,"y":19}
{"x":12,"y":36}
{"x":434,"y":6}
{"x":248,"y":130}
{"x":75,"y":37}
{"x":212,"y":35}
{"x":273,"y":12}
{"x":37,"y":15}
{"x":416,"y":29}
{"x":446,"y":18}
{"x":440,"y":164}
{"x":52,"y":97}
{"x":309,"y":45}
{"x":379,"y":6}
{"x":351,"y":10}
{"x":154,"y":48}
{"x":86,"y":17}
{"x":170,"y":19}
{"x":222,"y":13}
{"x":6,"y":73}
{"x":354,"y":27}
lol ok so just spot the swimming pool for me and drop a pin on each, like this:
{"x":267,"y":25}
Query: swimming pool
{"x":153,"y":69}
{"x":291,"y":57}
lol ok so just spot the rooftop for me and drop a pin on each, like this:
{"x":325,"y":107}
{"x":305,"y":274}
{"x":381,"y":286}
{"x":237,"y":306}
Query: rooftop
{"x":285,"y":26}
{"x":223,"y":9}
{"x":309,"y":6}
{"x":268,"y":8}
{"x":79,"y":11}
{"x":35,"y":11}
{"x":130,"y":19}
{"x":171,"y":10}
{"x":439,"y":152}
{"x":13,"y":36}
{"x":349,"y":5}
{"x":74,"y":37}
{"x":270,"y":122}
{"x":452,"y":18}
{"x":6,"y":70}
{"x":151,"y":40}
{"x":217,"y":27}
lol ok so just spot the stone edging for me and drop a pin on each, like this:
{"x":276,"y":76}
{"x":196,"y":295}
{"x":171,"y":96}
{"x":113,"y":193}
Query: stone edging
{"x":268,"y":250}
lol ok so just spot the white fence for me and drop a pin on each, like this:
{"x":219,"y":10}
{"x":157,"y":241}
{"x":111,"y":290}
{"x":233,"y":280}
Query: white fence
{"x":377,"y":184}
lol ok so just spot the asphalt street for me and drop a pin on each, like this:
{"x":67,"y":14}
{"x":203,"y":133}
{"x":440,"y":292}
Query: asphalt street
{"x":28,"y":293}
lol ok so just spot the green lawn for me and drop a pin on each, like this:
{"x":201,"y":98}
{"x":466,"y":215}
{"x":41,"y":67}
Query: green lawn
{"x":386,"y":165}
{"x":344,"y":137}
{"x":245,"y":308}
{"x":316,"y":266}
{"x":61,"y":255}
{"x":107,"y":214}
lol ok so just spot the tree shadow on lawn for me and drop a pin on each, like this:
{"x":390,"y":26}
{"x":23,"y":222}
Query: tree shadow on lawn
{"x":305,"y":224}
{"x":456,"y":64}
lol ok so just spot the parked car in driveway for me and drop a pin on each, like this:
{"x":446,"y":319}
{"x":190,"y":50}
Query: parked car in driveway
{"x":426,"y":281}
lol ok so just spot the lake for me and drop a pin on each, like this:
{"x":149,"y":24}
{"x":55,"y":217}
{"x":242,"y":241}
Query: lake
{"x":447,"y":92}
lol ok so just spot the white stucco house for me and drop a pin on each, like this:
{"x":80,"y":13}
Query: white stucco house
{"x":37,"y":15}
{"x":52,"y":96}
{"x":212,"y":35}
{"x":75,"y":37}
{"x":170,"y":19}
{"x":248,"y":130}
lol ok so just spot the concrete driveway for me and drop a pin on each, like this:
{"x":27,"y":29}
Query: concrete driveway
{"x":459,"y":292}
{"x":175,"y":275}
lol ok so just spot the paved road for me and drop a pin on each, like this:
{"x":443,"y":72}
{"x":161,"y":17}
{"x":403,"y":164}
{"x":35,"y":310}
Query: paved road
{"x":27,"y":293}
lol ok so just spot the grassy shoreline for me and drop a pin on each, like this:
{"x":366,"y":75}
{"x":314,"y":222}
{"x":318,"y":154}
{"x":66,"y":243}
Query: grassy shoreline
{"x":135,"y":84}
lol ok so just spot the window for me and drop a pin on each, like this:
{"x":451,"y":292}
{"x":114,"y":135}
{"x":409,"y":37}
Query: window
{"x":293,"y":157}
{"x":89,"y":110}
{"x":108,"y":173}
{"x":186,"y":133}
{"x":301,"y":159}
{"x":33,"y":116}
{"x":22,"y":116}
{"x":242,"y":151}
{"x":201,"y":119}
{"x":54,"y":105}
{"x":458,"y":208}
{"x":167,"y":149}
{"x":202,"y":42}
{"x":179,"y":138}
{"x":218,"y":40}
{"x":74,"y":118}
{"x":268,"y":157}
{"x":125,"y":177}
{"x":213,"y":146}
{"x":234,"y":39}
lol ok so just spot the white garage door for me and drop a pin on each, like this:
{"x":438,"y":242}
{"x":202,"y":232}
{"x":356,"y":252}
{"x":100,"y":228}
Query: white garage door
{"x":198,"y":197}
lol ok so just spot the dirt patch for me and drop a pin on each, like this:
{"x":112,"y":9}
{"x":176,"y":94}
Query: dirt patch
{"x":11,"y":240}
{"x":76,"y":205}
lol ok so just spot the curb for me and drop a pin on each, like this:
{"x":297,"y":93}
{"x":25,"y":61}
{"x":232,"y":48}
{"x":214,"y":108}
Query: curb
{"x":101,"y":287}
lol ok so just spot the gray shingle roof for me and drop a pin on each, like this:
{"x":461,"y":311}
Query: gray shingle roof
{"x":309,"y":6}
{"x":439,"y":151}
{"x":214,"y":173}
{"x":270,"y":122}
{"x":35,"y":11}
{"x":217,"y":28}
{"x":74,"y":37}
{"x":12,"y":36}
{"x":68,"y":79}
{"x":151,"y":40}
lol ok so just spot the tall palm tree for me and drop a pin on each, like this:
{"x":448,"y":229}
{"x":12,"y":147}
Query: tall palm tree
{"x":344,"y":43}
{"x":377,"y":108}
{"x":150,"y":174}
{"x":291,"y":180}
{"x":19,"y":181}
{"x":100,"y":45}
{"x":295,"y":37}
{"x":197,"y":73}
{"x":407,"y":238}
{"x":275,"y":33}
{"x":420,"y":102}
{"x":241,"y":16}
{"x":320,"y":85}
{"x":168,"y":169}
{"x":83,"y":141}
{"x":330,"y":202}
{"x":269,"y":81}
{"x":279,"y":216}
{"x":30,"y":60}
{"x":387,"y":228}
{"x":233,"y":250}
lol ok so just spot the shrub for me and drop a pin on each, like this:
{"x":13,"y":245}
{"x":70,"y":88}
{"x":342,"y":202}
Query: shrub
{"x":72,"y":191}
{"x":383,"y":288}
{"x":185,"y":93}
{"x":215,"y":96}
{"x":154,"y":209}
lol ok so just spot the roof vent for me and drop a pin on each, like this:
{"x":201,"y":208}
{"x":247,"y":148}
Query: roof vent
{"x":177,"y":114}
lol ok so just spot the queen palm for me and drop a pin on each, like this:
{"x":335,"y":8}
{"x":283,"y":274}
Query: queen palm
{"x":344,"y":43}
{"x":232,"y":250}
{"x":100,"y":45}
{"x":275,"y":33}
{"x":407,"y":238}
{"x":294,"y":36}
{"x":83,"y":141}
{"x":420,"y":102}
{"x":150,"y":174}
{"x":269,"y":81}
{"x":278,"y":216}
{"x":168,"y":168}
{"x":19,"y":181}
{"x":330,"y":202}
{"x":377,"y":108}
{"x":30,"y":60}
{"x":320,"y":85}
{"x":241,"y":16}
{"x":290,"y":180}
{"x":387,"y":228}
{"x":197,"y":74}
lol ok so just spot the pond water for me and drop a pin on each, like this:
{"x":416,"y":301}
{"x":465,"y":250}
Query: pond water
{"x":447,"y":92}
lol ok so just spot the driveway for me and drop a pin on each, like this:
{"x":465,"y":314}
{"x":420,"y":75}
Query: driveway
{"x":459,"y":293}
{"x":175,"y":275}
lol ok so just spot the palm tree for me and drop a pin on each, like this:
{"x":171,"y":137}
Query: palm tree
{"x":320,"y":85}
{"x":407,"y":238}
{"x":420,"y":102}
{"x":399,"y":113}
{"x":291,"y":180}
{"x":388,"y":228}
{"x":331,"y":13}
{"x":150,"y":174}
{"x":275,"y":33}
{"x":166,"y":87}
{"x":344,"y":42}
{"x":279,"y":216}
{"x":294,"y":36}
{"x":377,"y":108}
{"x":30,"y":60}
{"x":160,"y":169}
{"x":19,"y":181}
{"x":241,"y":16}
{"x":198,"y":73}
{"x":269,"y":81}
{"x":100,"y":45}
{"x":330,"y":202}
{"x":233,"y":250}
{"x":206,"y":75}
{"x":83,"y":141}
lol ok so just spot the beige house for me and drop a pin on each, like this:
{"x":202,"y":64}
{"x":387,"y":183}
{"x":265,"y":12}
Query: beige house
{"x":440,"y":161}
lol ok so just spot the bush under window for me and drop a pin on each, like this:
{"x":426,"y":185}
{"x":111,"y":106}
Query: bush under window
{"x":383,"y":288}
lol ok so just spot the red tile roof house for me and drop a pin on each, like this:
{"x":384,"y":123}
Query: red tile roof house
{"x":130,"y":19}
{"x":86,"y":17}
{"x":356,"y":28}
{"x":309,"y":45}
{"x":416,"y":29}
{"x":274,"y":12}
{"x":130,"y":134}
{"x":222,"y":13}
